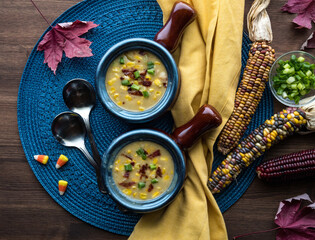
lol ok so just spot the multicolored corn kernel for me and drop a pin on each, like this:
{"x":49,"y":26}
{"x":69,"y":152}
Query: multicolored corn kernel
{"x":62,"y":186}
{"x":273,"y":130}
{"x":43,"y":159}
{"x":248,"y":95}
{"x":293,"y":166}
{"x":62,"y":160}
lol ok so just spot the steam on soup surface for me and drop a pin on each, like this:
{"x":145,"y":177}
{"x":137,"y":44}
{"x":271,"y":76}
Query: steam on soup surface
{"x":136,"y":80}
{"x":143,"y":170}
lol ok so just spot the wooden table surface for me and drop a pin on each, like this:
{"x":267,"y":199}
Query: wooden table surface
{"x":28,"y":212}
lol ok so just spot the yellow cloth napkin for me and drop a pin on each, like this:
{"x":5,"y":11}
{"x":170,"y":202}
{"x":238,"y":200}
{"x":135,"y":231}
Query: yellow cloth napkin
{"x":209,"y":61}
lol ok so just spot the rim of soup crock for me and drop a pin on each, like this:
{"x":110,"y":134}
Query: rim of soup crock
{"x":167,"y":99}
{"x":143,"y":206}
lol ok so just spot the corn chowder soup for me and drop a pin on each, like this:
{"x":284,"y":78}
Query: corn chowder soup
{"x":136,"y":80}
{"x":143,"y":170}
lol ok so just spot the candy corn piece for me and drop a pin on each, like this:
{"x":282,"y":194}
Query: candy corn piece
{"x":41,"y":158}
{"x":62,"y":185}
{"x":62,"y":160}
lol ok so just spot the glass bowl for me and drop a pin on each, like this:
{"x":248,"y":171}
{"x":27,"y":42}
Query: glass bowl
{"x":306,"y":99}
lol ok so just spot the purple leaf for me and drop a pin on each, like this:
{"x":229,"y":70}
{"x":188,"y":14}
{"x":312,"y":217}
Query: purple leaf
{"x":305,"y":10}
{"x":296,"y":223}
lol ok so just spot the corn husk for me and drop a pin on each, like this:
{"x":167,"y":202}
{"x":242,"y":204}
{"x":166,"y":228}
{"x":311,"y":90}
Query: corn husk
{"x":309,"y":110}
{"x":258,"y":22}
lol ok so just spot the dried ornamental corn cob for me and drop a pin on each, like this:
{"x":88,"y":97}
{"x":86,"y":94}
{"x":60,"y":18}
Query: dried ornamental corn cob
{"x":280,"y":126}
{"x":292,"y":166}
{"x":255,"y":77}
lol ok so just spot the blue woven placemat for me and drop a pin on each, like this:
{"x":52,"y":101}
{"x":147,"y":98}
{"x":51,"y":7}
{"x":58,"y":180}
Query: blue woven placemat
{"x":40,"y":100}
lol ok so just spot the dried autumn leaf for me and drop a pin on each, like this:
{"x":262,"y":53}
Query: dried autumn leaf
{"x":305,"y":10}
{"x":65,"y":37}
{"x":296,"y":223}
{"x":310,"y":42}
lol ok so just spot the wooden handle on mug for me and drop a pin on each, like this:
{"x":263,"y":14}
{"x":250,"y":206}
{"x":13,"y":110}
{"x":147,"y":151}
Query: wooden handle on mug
{"x":181,"y":16}
{"x":205,"y":119}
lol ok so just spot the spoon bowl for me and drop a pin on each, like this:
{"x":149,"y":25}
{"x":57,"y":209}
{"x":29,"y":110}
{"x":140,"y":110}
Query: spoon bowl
{"x":68,"y":128}
{"x":79,"y":96}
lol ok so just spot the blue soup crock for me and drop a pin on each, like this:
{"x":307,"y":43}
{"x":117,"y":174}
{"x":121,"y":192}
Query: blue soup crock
{"x":165,"y":102}
{"x":143,"y":206}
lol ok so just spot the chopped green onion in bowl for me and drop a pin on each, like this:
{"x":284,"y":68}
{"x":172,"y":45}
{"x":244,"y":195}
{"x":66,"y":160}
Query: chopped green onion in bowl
{"x":292,"y":77}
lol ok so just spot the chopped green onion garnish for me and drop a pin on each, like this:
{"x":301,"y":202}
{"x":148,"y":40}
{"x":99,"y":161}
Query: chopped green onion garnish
{"x":135,"y":87}
{"x":125,"y":82}
{"x":290,"y":80}
{"x":300,"y":86}
{"x":293,"y":86}
{"x":150,"y":65}
{"x":309,"y":73}
{"x":152,"y":166}
{"x":154,"y":180}
{"x":128,"y":167}
{"x":301,"y":59}
{"x":141,"y":185}
{"x":136,"y":74}
{"x":287,"y":66}
{"x":145,"y":94}
{"x":121,"y":60}
{"x":294,"y":78}
{"x":142,"y":153}
{"x":151,"y":71}
{"x":286,"y":71}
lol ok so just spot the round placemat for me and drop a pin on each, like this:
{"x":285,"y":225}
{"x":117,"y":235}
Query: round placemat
{"x":40,"y":100}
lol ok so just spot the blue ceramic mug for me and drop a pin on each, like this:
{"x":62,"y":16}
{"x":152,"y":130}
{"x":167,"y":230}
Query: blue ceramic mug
{"x":165,"y":41}
{"x":182,"y":138}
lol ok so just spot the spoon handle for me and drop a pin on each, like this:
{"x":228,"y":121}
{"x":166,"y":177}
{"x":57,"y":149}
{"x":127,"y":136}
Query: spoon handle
{"x":95,"y":152}
{"x":96,"y":167}
{"x":96,"y":155}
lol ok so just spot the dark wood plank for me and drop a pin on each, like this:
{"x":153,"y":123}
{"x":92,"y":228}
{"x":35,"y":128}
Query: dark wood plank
{"x":28,"y":212}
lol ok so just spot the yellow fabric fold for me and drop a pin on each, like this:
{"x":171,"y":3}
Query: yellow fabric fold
{"x":209,"y":61}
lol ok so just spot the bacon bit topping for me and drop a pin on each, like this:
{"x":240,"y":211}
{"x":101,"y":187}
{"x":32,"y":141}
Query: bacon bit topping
{"x":165,"y":84}
{"x":142,"y":170}
{"x":121,"y":78}
{"x":126,"y":156}
{"x":127,"y":72}
{"x":158,"y":172}
{"x":141,"y":52}
{"x":142,"y":75}
{"x":127,"y":184}
{"x":132,"y":164}
{"x":155,"y":154}
{"x":134,"y":92}
{"x":143,"y":175}
{"x":150,"y":188}
{"x":146,"y":83}
{"x":126,"y":175}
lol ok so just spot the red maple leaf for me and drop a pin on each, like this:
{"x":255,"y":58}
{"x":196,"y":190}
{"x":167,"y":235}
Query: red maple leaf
{"x":296,"y":223}
{"x":305,"y":10}
{"x":65,"y":37}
